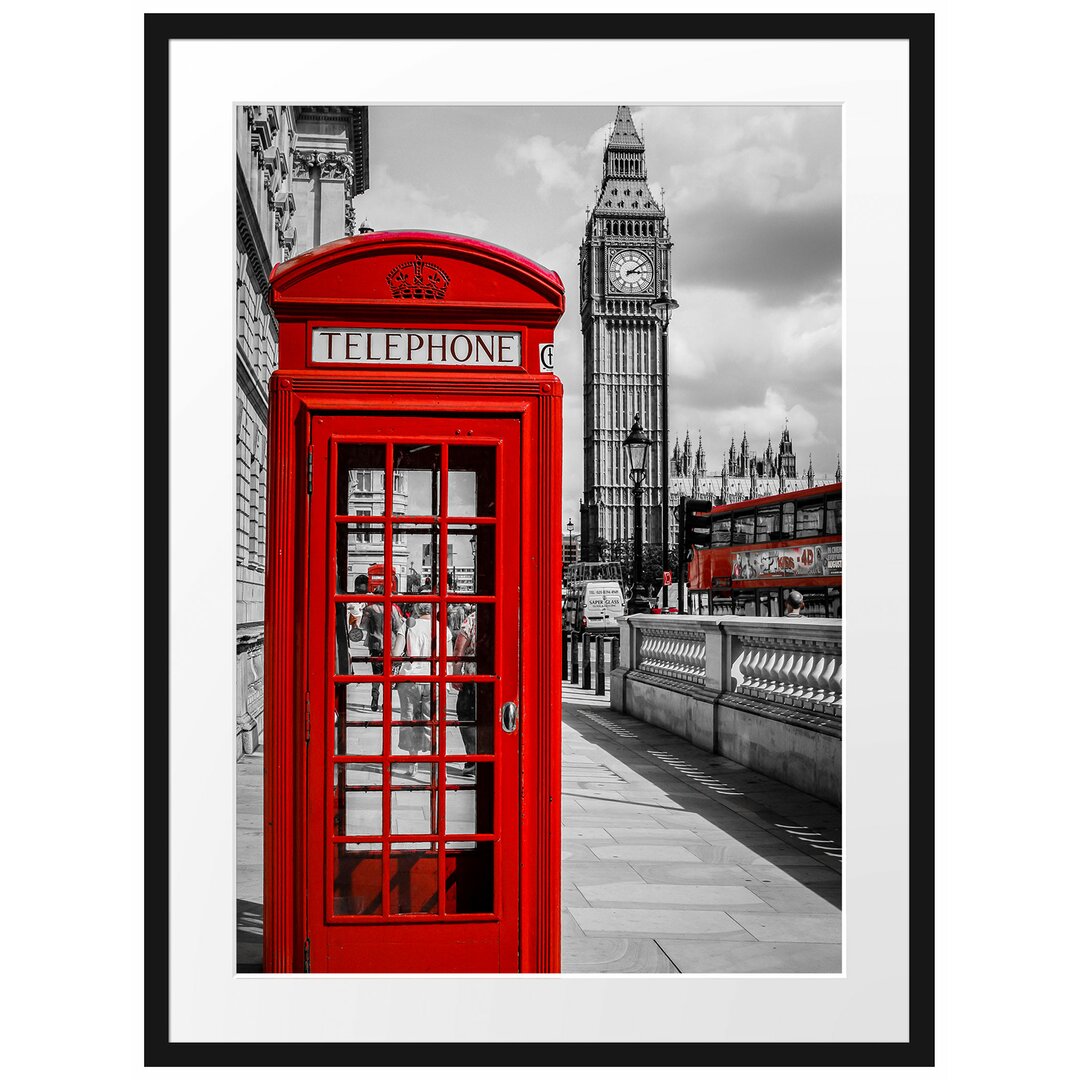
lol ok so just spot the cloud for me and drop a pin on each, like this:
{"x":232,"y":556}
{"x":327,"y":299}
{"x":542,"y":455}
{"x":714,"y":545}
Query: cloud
{"x":735,"y":363}
{"x":753,"y":197}
{"x":396,"y":204}
{"x":558,"y":166}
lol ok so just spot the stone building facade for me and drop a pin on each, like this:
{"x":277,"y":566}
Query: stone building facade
{"x":624,"y":263}
{"x":298,"y":169}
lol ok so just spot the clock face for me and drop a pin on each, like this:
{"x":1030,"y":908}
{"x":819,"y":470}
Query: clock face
{"x":630,"y":272}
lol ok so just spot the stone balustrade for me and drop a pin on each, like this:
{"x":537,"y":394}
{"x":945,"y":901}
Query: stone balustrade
{"x":673,"y":653}
{"x":767,"y":692}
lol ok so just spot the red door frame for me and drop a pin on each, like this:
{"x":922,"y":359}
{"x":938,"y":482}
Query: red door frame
{"x":491,"y":289}
{"x":415,"y":941}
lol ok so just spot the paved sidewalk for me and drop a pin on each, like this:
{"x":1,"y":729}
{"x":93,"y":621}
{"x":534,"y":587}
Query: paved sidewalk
{"x":674,"y":859}
{"x":249,"y":862}
{"x":677,"y":860}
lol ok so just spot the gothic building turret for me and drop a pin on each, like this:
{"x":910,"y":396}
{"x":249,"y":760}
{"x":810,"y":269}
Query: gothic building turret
{"x":744,"y":474}
{"x":787,"y":455}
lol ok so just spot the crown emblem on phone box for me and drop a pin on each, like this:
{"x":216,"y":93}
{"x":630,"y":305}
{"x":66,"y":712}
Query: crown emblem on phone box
{"x":418,"y":280}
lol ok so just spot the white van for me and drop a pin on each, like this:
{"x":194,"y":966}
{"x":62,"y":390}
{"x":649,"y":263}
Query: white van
{"x":593,"y":605}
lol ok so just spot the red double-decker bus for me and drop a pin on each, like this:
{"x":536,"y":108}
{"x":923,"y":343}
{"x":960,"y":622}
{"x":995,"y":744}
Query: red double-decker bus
{"x":761,"y":549}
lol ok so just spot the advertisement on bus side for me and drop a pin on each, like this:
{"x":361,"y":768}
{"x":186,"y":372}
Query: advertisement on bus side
{"x":810,"y":560}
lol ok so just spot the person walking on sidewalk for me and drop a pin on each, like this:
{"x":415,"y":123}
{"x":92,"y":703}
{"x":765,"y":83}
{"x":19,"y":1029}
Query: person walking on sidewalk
{"x":414,"y":646}
{"x":372,"y":623}
{"x":465,"y":664}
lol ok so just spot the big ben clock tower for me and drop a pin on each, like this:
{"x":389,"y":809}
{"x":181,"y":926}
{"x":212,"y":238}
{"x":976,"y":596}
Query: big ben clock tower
{"x":625,"y":265}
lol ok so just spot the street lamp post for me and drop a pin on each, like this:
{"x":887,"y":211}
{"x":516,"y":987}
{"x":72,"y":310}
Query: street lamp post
{"x":637,"y":445}
{"x":570,"y":533}
{"x":663,"y":306}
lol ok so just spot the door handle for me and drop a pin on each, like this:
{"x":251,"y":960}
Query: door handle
{"x":509,"y":717}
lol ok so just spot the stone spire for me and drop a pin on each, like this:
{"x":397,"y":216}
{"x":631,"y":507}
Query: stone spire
{"x":786,"y":457}
{"x":838,"y":468}
{"x":624,"y":136}
{"x":624,"y":155}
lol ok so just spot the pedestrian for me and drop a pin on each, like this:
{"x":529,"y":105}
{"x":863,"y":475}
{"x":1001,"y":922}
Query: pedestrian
{"x":793,"y":605}
{"x":414,"y":646}
{"x":372,"y":624}
{"x":412,"y":579}
{"x":354,"y":612}
{"x":465,"y":664}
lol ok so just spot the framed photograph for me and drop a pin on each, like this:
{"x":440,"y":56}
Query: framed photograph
{"x":673,"y":291}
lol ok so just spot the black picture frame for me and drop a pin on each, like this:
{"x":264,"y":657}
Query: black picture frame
{"x":918,"y":30}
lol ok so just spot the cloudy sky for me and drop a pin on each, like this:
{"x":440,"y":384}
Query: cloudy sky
{"x":753,"y":198}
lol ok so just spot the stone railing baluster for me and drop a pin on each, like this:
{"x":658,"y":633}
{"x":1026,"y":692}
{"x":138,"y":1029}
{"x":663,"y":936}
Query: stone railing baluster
{"x":795,"y":664}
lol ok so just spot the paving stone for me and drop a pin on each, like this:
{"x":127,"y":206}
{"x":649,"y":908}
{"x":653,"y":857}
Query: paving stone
{"x":577,"y":851}
{"x":812,"y":874}
{"x":720,"y":897}
{"x":572,"y":897}
{"x":787,"y":861}
{"x":807,"y":928}
{"x":695,"y":874}
{"x":653,"y":836}
{"x":600,"y":873}
{"x":645,"y":853}
{"x":707,"y":955}
{"x":584,"y":832}
{"x":614,"y":954}
{"x":655,"y":922}
{"x":604,"y":814}
{"x":608,"y":821}
{"x":796,"y":899}
{"x":729,"y":853}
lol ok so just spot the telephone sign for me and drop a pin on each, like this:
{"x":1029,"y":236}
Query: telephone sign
{"x":412,"y":677}
{"x":433,"y":347}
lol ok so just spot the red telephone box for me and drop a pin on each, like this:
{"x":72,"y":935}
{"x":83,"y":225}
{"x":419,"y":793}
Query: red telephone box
{"x":412,"y":679}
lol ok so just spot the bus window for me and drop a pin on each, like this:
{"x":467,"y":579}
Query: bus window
{"x":809,"y":520}
{"x":720,"y":531}
{"x":745,"y":603}
{"x":720,"y":605}
{"x":768,"y":603}
{"x":832,"y":518}
{"x":768,"y":524}
{"x":833,"y":603}
{"x":744,"y":529}
{"x":787,"y":526}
